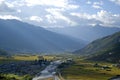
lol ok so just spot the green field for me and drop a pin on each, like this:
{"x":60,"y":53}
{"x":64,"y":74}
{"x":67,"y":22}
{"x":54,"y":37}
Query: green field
{"x":14,"y":77}
{"x":85,"y":70}
{"x":24,"y":58}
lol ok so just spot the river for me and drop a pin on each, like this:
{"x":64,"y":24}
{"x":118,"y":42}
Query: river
{"x":49,"y":71}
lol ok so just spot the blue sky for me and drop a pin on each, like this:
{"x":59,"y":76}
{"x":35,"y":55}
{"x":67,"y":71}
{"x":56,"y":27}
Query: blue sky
{"x":62,"y":13}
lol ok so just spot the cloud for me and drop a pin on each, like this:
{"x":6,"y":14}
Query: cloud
{"x":107,"y":18}
{"x":36,"y":18}
{"x":88,"y":2}
{"x":4,"y":8}
{"x":116,"y":1}
{"x":9,"y":17}
{"x":51,"y":12}
{"x":51,"y":19}
{"x":50,"y":3}
{"x":97,"y":5}
{"x":102,"y":17}
{"x":59,"y":13}
{"x":55,"y":3}
{"x":1,"y":1}
{"x":19,"y":11}
{"x":55,"y":15}
{"x":82,"y":15}
{"x":9,"y":5}
{"x":73,"y":6}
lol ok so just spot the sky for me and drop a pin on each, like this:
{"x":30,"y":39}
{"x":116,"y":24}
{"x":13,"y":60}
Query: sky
{"x":62,"y":13}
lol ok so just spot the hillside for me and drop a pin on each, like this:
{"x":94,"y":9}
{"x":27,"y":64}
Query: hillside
{"x":105,"y":49}
{"x":17,"y":36}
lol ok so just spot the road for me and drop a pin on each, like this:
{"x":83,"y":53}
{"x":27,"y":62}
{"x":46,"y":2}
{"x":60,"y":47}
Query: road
{"x":49,"y":71}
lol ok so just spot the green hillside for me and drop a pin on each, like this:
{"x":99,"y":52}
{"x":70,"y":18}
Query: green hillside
{"x":105,"y":49}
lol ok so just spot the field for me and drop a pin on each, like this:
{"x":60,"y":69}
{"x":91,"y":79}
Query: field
{"x":19,"y":59}
{"x":25,"y":58}
{"x":85,"y":70}
{"x":80,"y":70}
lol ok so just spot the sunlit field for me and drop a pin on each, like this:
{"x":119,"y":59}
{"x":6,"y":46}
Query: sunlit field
{"x":85,"y":70}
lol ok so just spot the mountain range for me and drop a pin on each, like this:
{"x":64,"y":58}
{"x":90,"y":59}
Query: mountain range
{"x":17,"y":36}
{"x":86,"y":33}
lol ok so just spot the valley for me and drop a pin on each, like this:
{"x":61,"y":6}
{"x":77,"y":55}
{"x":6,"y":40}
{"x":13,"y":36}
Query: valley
{"x":59,"y":39}
{"x":98,"y":60}
{"x":73,"y":67}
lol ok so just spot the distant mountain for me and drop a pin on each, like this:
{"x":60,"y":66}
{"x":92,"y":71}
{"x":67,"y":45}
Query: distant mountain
{"x":105,"y":49}
{"x":23,"y":37}
{"x":87,"y":33}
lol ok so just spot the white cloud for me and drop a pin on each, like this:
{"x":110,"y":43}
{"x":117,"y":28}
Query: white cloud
{"x":1,"y":1}
{"x":107,"y":18}
{"x":36,"y":18}
{"x":73,"y":6}
{"x":51,"y":11}
{"x":50,"y":3}
{"x":88,"y":2}
{"x":59,"y":12}
{"x":116,"y":1}
{"x":56,"y":3}
{"x":97,"y":5}
{"x":17,"y":3}
{"x":82,"y":15}
{"x":102,"y":17}
{"x":9,"y":5}
{"x":57,"y":15}
{"x":50,"y":19}
{"x":19,"y":11}
{"x":4,"y":7}
{"x":9,"y":17}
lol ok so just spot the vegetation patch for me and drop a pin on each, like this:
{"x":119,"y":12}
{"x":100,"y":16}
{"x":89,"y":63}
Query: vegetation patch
{"x":86,"y":70}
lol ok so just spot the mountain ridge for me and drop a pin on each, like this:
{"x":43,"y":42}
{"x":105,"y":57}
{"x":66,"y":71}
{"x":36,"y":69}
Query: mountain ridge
{"x":86,"y":33}
{"x":20,"y":36}
{"x":104,"y":49}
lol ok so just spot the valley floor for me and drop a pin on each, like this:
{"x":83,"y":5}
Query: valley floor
{"x":73,"y":68}
{"x":87,"y":70}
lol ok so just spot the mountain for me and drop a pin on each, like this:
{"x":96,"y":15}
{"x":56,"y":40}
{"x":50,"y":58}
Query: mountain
{"x":18,"y":36}
{"x":86,"y":33}
{"x":104,"y":49}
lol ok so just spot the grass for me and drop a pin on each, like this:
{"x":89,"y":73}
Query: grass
{"x":17,"y":58}
{"x":15,"y":77}
{"x":26,"y":57}
{"x":84,"y":70}
{"x":48,"y":57}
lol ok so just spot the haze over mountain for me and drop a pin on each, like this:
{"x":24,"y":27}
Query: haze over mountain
{"x":87,"y":33}
{"x":22,"y":37}
{"x":104,"y":49}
